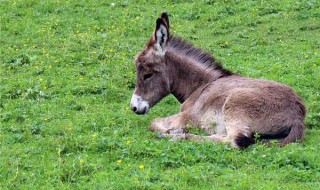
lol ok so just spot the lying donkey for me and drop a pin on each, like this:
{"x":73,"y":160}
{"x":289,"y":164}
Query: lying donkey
{"x":231,"y":108}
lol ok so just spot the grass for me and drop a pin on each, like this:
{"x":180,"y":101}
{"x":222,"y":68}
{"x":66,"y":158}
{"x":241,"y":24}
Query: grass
{"x":67,"y":76}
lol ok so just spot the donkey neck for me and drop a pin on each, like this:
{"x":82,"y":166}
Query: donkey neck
{"x":186,"y":75}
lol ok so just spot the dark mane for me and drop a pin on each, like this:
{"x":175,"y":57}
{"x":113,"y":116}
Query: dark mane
{"x":197,"y":54}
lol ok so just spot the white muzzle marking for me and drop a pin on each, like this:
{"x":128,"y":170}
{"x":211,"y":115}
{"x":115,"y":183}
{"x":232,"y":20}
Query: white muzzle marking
{"x":138,"y":105}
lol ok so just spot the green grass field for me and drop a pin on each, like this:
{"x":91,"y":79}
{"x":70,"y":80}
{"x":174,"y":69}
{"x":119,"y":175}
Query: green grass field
{"x":67,"y":76}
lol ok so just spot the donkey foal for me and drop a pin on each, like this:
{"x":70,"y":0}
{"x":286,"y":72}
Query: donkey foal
{"x":231,"y":108}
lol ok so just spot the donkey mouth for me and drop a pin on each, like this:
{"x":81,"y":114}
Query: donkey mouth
{"x":140,"y":112}
{"x":138,"y":105}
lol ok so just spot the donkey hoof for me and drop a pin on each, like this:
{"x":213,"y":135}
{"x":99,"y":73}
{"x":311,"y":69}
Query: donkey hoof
{"x":176,"y":131}
{"x":161,"y":136}
{"x":177,"y":137}
{"x":153,"y":128}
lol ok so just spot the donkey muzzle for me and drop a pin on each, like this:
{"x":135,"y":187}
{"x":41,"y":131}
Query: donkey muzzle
{"x":138,"y":105}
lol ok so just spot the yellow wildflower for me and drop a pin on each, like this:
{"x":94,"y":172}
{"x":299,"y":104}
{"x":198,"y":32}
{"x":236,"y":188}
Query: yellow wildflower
{"x":69,"y":127}
{"x":59,"y":151}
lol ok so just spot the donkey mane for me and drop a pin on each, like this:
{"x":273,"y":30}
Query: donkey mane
{"x":197,"y":54}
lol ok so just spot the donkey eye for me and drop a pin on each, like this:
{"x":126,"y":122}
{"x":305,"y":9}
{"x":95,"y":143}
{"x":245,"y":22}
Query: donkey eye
{"x":147,"y":76}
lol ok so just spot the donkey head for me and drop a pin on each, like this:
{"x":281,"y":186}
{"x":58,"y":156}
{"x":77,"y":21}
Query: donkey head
{"x":152,"y":82}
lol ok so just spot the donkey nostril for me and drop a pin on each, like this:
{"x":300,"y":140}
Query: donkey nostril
{"x":134,"y":109}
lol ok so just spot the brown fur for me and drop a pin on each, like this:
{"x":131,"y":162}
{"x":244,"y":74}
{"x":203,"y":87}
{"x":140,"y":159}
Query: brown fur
{"x":231,"y":108}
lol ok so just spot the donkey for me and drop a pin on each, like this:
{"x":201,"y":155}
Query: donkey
{"x":230,"y":108}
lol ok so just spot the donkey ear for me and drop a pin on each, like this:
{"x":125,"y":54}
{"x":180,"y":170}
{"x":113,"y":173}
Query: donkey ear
{"x":161,"y":36}
{"x":165,"y":17}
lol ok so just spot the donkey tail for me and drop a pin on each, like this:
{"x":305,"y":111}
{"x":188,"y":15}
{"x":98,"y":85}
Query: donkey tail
{"x":295,"y":134}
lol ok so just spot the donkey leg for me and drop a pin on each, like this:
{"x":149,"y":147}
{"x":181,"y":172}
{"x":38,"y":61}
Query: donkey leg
{"x":198,"y":138}
{"x":238,"y":133}
{"x":170,"y":125}
{"x":159,"y":125}
{"x":213,"y":138}
{"x":238,"y":136}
